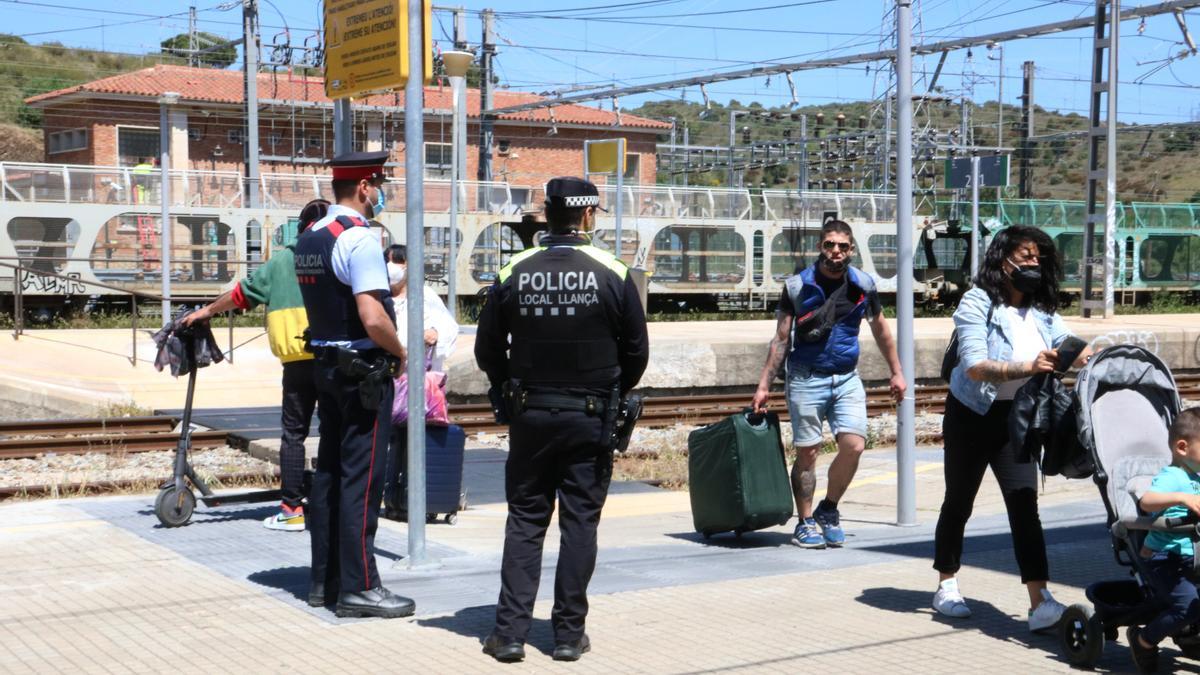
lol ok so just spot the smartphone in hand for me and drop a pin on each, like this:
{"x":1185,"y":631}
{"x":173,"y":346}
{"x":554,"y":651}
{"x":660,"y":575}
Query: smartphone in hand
{"x":1068,"y":351}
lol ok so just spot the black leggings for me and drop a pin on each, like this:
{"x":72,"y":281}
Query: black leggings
{"x":972,"y":443}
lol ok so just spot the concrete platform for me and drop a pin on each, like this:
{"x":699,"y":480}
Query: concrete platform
{"x":82,"y":371}
{"x":95,"y":585}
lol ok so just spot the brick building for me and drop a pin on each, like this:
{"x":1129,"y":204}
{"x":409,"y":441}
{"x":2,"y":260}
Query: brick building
{"x":114,"y":122}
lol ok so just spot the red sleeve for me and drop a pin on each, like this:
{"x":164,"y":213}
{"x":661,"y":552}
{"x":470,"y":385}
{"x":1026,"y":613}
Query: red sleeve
{"x":239,"y":298}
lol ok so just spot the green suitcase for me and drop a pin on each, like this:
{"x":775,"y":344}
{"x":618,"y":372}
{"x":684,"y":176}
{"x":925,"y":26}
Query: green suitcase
{"x":737,"y":475}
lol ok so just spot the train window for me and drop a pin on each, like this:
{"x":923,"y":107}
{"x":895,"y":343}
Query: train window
{"x":630,"y":240}
{"x":883,"y":254}
{"x":949,"y":253}
{"x":128,"y":250}
{"x":1070,"y":251}
{"x":1168,"y":258}
{"x":437,"y":254}
{"x":494,"y":246}
{"x":43,"y":243}
{"x":792,"y":250}
{"x":758,"y":257}
{"x":698,"y":255}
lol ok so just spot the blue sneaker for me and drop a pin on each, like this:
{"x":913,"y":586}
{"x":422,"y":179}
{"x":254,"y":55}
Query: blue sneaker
{"x":830,"y":521}
{"x":807,"y":535}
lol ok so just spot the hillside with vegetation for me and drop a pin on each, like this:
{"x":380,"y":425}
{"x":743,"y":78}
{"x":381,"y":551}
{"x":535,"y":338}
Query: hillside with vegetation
{"x":1156,"y":163}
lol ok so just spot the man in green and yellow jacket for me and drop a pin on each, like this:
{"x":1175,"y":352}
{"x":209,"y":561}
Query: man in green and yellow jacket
{"x":274,"y":285}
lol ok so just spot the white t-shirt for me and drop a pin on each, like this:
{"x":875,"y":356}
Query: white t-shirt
{"x":1027,"y":344}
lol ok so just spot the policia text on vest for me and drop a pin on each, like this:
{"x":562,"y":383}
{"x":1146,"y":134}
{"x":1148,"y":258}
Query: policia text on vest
{"x":563,"y":335}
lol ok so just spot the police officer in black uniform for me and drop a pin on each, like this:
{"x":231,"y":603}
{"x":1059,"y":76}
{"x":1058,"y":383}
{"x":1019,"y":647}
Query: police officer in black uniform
{"x":578,"y":343}
{"x":344,"y":283}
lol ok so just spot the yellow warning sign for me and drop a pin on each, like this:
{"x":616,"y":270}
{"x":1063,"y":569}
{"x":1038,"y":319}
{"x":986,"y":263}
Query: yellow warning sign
{"x":603,"y":156}
{"x":366,"y":45}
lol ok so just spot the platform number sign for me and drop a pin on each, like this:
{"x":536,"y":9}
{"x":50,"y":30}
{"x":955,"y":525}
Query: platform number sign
{"x":993,"y":172}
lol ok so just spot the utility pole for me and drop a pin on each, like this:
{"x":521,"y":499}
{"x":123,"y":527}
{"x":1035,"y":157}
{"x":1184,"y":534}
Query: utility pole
{"x":1000,"y":117}
{"x":906,"y":475}
{"x":1025,"y":169}
{"x":486,"y":122}
{"x":460,"y":44}
{"x":193,"y":42}
{"x":1106,"y":36}
{"x":250,"y":47}
{"x":688,"y":162}
{"x":414,"y":209}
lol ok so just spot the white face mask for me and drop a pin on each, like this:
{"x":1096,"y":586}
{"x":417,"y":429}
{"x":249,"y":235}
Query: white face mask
{"x":396,"y":273}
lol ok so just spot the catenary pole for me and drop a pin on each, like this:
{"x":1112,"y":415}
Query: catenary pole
{"x":414,"y":206}
{"x":250,"y":46}
{"x":976,"y":238}
{"x":164,"y":159}
{"x":906,"y":479}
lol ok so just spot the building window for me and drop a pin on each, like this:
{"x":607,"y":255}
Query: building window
{"x":236,"y":136}
{"x":314,"y":141}
{"x":195,"y":134}
{"x":633,"y":165}
{"x":136,"y":145}
{"x":503,"y":147}
{"x":437,"y":160}
{"x":274,"y":138}
{"x":67,"y":141}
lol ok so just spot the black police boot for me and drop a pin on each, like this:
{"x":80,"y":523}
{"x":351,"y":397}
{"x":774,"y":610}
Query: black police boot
{"x":504,"y":650}
{"x":321,"y":593}
{"x":378,"y":601}
{"x":571,"y":651}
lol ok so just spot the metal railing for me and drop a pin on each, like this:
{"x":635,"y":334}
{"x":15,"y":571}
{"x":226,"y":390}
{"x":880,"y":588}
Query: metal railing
{"x":77,"y":184}
{"x":21,"y":273}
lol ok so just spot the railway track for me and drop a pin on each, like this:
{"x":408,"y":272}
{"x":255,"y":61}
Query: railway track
{"x":148,"y":434}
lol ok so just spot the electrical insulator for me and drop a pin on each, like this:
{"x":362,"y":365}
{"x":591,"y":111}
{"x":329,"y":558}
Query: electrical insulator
{"x":745,"y":134}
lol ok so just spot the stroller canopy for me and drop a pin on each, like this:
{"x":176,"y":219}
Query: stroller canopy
{"x":1127,"y":401}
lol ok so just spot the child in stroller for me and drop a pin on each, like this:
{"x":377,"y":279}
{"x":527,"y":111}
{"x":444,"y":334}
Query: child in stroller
{"x":1127,"y":410}
{"x":1170,"y":556}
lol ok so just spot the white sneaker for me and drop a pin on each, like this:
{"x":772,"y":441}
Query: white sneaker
{"x":949,"y":602}
{"x":1047,"y":613}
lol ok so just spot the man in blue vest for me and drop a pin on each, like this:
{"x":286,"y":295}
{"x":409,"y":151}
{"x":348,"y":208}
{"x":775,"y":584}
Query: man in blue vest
{"x":819,"y":316}
{"x":344,"y":283}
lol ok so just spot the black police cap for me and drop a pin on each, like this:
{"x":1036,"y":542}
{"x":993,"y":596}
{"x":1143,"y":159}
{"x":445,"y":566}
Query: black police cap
{"x":358,"y":165}
{"x":572,"y":193}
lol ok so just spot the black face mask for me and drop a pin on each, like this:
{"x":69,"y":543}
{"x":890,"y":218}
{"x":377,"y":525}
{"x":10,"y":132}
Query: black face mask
{"x":834,"y":267}
{"x":1027,"y":279}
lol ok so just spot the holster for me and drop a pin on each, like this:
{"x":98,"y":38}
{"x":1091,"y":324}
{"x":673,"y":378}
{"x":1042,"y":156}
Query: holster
{"x":373,"y":376}
{"x":631,"y":412}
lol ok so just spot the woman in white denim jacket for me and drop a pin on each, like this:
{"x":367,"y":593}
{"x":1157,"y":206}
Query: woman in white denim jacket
{"x":1008,"y":331}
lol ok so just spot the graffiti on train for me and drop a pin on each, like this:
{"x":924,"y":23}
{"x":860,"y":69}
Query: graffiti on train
{"x":1145,"y":339}
{"x":35,"y":282}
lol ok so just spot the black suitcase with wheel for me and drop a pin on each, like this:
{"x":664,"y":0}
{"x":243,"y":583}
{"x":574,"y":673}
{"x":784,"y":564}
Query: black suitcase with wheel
{"x":445,"y":448}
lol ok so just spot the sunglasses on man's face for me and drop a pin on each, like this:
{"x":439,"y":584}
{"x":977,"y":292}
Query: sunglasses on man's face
{"x":843,"y":246}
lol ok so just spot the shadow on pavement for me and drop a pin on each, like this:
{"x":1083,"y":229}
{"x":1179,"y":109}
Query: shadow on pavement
{"x":477,"y":622}
{"x":292,"y":580}
{"x":1079,"y":554}
{"x":209,"y":515}
{"x":748,"y":540}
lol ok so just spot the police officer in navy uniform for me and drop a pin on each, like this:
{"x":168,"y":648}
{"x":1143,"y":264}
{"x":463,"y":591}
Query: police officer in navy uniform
{"x":344,"y":282}
{"x":578,"y":338}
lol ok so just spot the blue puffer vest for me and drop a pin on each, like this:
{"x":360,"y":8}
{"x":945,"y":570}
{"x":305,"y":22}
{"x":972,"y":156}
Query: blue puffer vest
{"x":839,"y":352}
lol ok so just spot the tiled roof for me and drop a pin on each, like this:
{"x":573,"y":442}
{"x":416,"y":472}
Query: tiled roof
{"x":225,"y":86}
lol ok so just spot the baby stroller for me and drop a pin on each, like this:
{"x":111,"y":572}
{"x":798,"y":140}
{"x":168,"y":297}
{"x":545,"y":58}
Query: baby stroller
{"x":1127,"y":401}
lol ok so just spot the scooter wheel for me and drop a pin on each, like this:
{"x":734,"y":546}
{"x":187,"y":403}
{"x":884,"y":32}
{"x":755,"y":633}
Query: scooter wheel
{"x":451,"y":518}
{"x":173,"y":508}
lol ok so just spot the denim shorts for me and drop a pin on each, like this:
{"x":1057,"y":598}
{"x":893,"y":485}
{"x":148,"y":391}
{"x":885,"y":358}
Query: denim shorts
{"x":816,"y":397}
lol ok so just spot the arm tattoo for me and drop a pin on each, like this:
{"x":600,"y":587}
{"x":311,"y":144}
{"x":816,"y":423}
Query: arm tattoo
{"x":776,"y":352}
{"x":1002,"y":371}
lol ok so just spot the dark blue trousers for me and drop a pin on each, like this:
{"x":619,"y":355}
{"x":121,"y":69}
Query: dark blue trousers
{"x":1177,"y":594}
{"x":343,"y":509}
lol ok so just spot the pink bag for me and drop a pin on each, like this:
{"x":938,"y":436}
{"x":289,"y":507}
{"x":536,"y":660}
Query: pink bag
{"x":436,"y":408}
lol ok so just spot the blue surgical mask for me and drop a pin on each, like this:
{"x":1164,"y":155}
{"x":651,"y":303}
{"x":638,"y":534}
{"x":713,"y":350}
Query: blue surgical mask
{"x":380,"y":202}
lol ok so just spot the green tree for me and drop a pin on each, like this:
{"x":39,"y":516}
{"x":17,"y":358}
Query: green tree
{"x":218,"y":58}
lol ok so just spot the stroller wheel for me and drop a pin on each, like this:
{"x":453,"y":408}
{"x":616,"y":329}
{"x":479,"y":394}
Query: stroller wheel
{"x":451,"y":518}
{"x":173,"y":508}
{"x":1082,"y":635}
